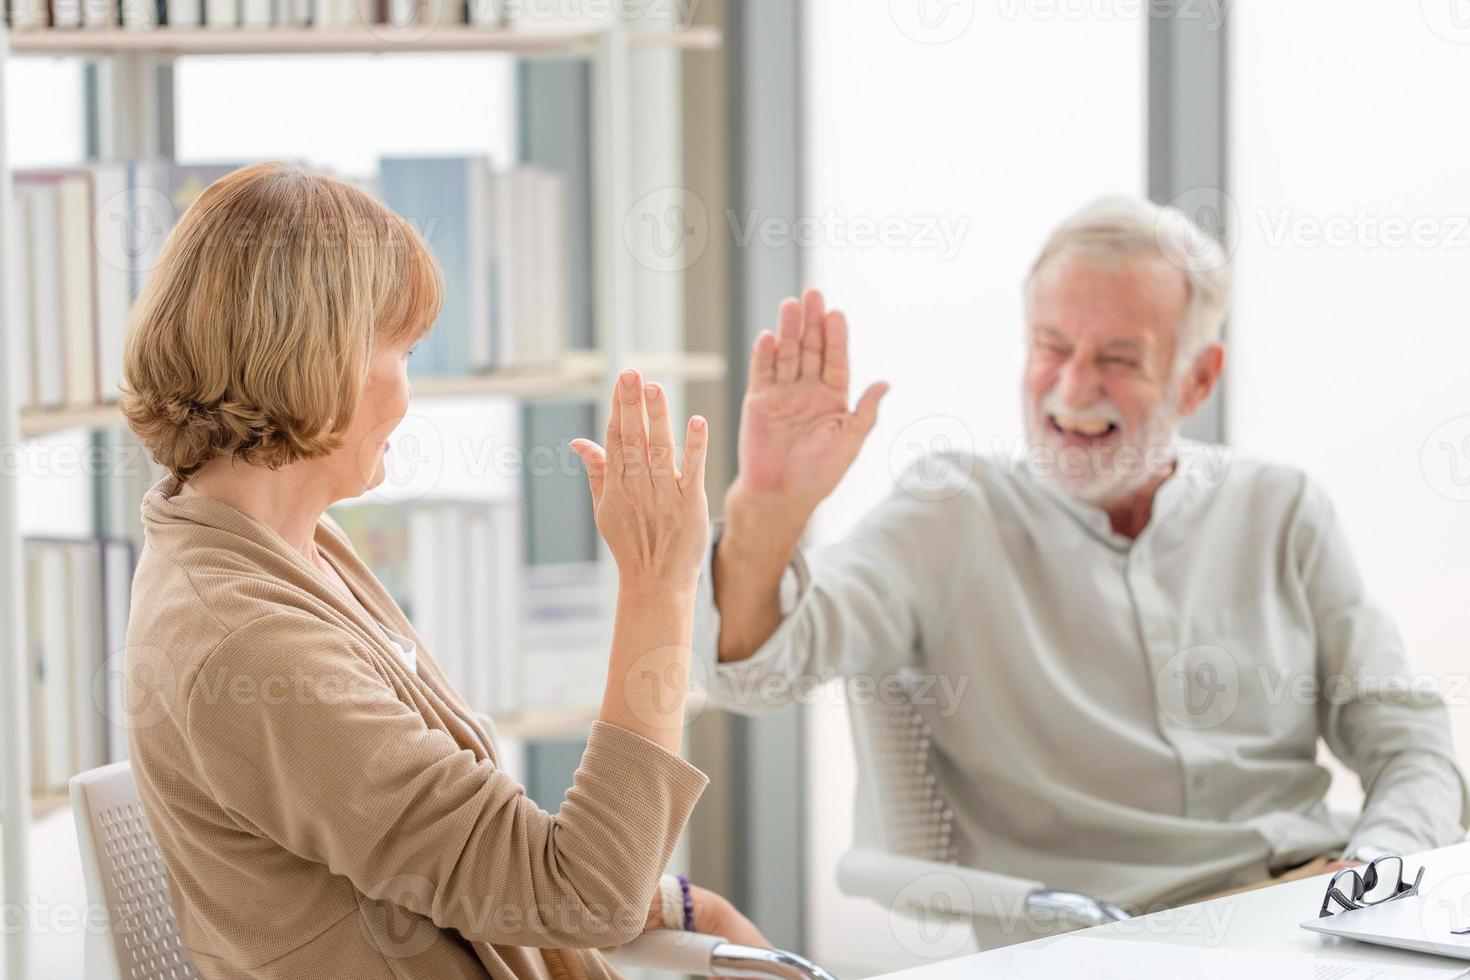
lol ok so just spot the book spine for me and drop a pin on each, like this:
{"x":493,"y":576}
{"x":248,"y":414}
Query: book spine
{"x":221,"y":13}
{"x":185,"y":13}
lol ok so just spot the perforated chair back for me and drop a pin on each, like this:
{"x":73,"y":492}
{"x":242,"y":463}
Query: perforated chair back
{"x":124,"y":875}
{"x":899,"y":807}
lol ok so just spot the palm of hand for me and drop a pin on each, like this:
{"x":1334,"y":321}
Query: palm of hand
{"x":797,"y":439}
{"x":797,"y":436}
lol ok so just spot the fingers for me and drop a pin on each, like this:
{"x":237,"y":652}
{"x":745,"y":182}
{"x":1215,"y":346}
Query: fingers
{"x":614,"y":437}
{"x":762,"y":362}
{"x":812,"y":314}
{"x":788,"y":342}
{"x":660,"y":434}
{"x":632,"y":429}
{"x":867,"y":407}
{"x":834,"y":353}
{"x":696,"y":445}
{"x":595,"y":460}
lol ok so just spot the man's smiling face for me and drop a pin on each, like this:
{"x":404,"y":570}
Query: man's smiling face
{"x":1099,"y":382}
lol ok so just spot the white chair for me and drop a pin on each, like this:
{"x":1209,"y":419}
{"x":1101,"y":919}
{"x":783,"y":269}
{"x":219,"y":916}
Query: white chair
{"x":124,"y":875}
{"x":904,"y":854}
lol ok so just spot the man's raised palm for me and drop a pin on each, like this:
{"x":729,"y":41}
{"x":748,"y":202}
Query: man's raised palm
{"x":797,"y":436}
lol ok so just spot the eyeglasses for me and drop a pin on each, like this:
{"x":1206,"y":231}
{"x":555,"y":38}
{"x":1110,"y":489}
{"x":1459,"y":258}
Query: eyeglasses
{"x":1358,"y":888}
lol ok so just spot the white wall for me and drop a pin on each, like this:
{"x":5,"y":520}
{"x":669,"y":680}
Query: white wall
{"x":1350,"y":357}
{"x":999,"y":131}
{"x":343,"y":112}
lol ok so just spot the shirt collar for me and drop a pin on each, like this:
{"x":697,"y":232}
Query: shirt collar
{"x":1198,"y":467}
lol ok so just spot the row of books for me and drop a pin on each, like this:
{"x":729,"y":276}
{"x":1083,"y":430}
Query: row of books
{"x":508,"y":636}
{"x":454,"y":568}
{"x":77,"y":595}
{"x":85,"y":238}
{"x":501,"y":239}
{"x":226,"y":14}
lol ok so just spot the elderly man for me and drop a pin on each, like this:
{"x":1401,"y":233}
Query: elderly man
{"x":1146,"y":651}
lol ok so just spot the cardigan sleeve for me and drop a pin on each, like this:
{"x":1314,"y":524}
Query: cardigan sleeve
{"x":303,"y":741}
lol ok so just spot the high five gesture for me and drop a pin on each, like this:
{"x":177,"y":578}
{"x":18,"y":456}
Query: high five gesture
{"x":797,"y":438}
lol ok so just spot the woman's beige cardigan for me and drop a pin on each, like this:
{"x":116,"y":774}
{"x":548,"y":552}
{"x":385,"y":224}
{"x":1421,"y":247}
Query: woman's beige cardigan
{"x":324,"y":812}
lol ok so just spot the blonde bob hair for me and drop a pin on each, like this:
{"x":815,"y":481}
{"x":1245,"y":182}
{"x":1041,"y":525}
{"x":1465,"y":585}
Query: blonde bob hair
{"x":253,"y":334}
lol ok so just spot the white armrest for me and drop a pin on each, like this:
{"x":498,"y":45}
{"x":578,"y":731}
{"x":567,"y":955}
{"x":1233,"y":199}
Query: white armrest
{"x":968,"y":892}
{"x":667,"y":949}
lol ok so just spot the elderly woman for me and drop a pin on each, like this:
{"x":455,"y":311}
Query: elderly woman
{"x":326,"y":803}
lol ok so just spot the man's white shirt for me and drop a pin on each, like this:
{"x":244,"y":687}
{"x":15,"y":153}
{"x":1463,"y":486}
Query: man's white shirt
{"x":1134,"y":719}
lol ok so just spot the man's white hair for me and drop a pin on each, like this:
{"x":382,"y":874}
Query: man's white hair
{"x":1116,"y":227}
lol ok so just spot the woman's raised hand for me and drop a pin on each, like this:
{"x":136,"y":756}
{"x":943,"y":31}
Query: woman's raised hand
{"x":652,"y":513}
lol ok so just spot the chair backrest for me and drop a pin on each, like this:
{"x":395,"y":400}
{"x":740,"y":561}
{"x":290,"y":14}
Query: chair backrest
{"x":124,"y":873}
{"x":899,"y":806}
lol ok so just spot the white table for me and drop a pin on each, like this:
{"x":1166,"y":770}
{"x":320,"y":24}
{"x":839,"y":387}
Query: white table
{"x":1265,"y":920}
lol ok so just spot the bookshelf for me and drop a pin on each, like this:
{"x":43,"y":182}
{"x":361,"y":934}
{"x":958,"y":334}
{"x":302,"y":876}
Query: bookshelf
{"x":379,"y":38}
{"x":581,"y":374}
{"x":129,"y":122}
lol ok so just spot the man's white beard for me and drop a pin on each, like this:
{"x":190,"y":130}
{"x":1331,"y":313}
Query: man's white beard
{"x":1097,"y":477}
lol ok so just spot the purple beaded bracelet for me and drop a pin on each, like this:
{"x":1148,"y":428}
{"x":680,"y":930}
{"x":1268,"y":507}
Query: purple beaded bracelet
{"x":688,"y":904}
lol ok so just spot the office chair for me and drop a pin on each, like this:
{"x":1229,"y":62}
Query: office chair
{"x":904,"y":855}
{"x":124,"y":874}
